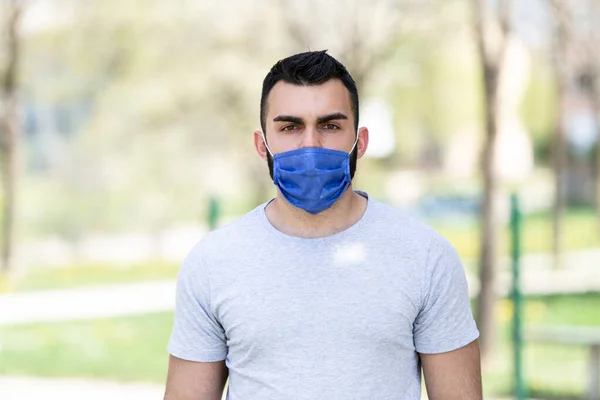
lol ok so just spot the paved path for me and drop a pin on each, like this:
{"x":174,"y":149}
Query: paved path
{"x":580,"y":273}
{"x":87,"y":303}
{"x":26,"y":388}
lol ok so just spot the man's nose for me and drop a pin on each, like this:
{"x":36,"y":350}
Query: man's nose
{"x":311,"y":138}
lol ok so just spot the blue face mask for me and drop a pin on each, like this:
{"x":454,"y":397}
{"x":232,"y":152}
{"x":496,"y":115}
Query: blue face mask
{"x":312,"y":178}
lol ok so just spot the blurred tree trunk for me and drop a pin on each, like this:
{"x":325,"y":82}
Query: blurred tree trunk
{"x":594,"y":91}
{"x":589,"y":82}
{"x":559,"y":151}
{"x":591,"y":85}
{"x":596,"y":109}
{"x":9,"y":130}
{"x":595,"y":98}
{"x":491,"y":57}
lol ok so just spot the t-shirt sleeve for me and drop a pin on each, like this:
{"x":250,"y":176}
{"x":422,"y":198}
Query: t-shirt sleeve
{"x":197,"y":334}
{"x":445,"y":321}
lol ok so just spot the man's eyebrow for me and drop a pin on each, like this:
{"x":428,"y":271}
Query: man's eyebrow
{"x":289,"y":118}
{"x":331,"y":117}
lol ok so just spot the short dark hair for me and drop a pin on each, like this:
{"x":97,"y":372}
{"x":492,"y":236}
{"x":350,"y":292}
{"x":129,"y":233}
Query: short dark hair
{"x":310,"y":68}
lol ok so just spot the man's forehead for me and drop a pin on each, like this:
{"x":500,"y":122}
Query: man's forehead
{"x":287,"y":98}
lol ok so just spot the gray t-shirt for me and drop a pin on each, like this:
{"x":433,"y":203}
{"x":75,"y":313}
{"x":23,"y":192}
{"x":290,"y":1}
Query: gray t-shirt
{"x":337,"y":318}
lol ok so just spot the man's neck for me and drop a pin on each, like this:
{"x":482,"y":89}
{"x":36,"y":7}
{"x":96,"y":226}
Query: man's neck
{"x":346,"y":211}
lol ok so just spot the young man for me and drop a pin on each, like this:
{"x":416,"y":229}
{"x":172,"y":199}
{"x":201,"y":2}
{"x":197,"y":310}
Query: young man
{"x":323,"y":292}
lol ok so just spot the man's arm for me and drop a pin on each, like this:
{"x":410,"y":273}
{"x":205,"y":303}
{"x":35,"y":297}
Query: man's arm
{"x":455,"y":375}
{"x":189,"y":380}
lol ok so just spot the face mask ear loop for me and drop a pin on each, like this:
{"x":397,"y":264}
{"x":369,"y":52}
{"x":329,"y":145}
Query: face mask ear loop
{"x":354,"y":145}
{"x":266,"y":145}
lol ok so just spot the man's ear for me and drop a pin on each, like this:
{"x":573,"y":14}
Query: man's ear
{"x":259,"y":145}
{"x":363,"y":141}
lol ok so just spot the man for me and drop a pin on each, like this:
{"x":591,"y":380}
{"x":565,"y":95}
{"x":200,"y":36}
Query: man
{"x":323,"y":292}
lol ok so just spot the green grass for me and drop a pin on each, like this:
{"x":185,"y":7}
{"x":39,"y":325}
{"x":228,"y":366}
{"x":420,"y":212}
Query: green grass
{"x":122,"y":349}
{"x":69,"y":277}
{"x":133,"y":348}
{"x":581,"y":231}
{"x":551,"y":370}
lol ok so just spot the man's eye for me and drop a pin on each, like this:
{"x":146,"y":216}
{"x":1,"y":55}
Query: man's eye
{"x":331,"y":127}
{"x":289,"y":128}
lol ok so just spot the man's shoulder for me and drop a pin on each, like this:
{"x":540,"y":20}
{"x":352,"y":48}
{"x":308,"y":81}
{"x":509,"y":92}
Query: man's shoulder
{"x":400,"y":221}
{"x":230,"y":236}
{"x":403,"y":227}
{"x":244,"y":227}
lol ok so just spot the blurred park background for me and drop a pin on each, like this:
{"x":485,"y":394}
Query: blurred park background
{"x":126,"y":134}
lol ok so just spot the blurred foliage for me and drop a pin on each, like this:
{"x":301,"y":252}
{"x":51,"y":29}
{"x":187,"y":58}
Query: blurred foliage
{"x":155,"y":102}
{"x":163,"y":99}
{"x":164,"y":93}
